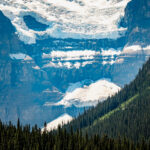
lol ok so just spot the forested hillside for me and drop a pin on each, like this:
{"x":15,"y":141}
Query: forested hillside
{"x":23,"y":138}
{"x":131,"y":120}
{"x":120,"y":123}
{"x":126,"y":114}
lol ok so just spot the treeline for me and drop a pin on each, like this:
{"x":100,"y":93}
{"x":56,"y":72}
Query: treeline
{"x":141,"y":82}
{"x":132,"y":120}
{"x":25,"y":138}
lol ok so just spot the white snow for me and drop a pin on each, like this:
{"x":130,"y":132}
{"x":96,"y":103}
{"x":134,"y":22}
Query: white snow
{"x":67,"y":19}
{"x":87,"y":63}
{"x":68,"y":47}
{"x":51,"y":64}
{"x":88,"y":95}
{"x":77,"y":65}
{"x":28,"y":58}
{"x":60,"y":59}
{"x":147,"y":48}
{"x":48,"y":91}
{"x":59,"y":64}
{"x":119,"y":60}
{"x":17,"y":56}
{"x":36,"y":67}
{"x":131,"y":49}
{"x":71,"y":55}
{"x":79,"y":58}
{"x":62,"y":120}
{"x":108,"y":62}
{"x":134,"y":49}
{"x":68,"y":65}
{"x":110,"y":52}
{"x":20,"y":56}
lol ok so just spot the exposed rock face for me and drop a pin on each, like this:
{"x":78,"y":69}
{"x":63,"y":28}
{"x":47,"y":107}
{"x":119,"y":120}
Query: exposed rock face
{"x":9,"y":41}
{"x":137,"y":19}
{"x":28,"y":80}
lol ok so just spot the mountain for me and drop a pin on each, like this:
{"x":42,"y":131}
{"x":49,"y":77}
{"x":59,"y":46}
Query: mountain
{"x":128,"y":122}
{"x":82,"y":95}
{"x":126,"y":114}
{"x":137,"y":19}
{"x":62,"y":120}
{"x":46,"y":47}
{"x":65,"y":19}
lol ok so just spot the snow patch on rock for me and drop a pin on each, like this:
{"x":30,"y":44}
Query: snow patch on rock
{"x":88,"y":95}
{"x":17,"y":56}
{"x":62,"y":120}
{"x":67,"y":19}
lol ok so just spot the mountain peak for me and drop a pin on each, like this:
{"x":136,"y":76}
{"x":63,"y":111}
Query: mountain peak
{"x":65,"y":19}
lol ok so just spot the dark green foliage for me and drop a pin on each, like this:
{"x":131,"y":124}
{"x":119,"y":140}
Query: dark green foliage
{"x":23,"y":138}
{"x":130,"y":121}
{"x":133,"y":122}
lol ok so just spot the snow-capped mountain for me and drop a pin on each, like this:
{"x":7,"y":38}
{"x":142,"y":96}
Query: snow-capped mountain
{"x":65,"y":19}
{"x":82,"y":95}
{"x":62,"y":120}
{"x":57,"y":53}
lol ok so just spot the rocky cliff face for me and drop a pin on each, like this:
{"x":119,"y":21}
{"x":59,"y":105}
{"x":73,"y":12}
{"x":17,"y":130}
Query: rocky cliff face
{"x":137,"y":19}
{"x":34,"y":77}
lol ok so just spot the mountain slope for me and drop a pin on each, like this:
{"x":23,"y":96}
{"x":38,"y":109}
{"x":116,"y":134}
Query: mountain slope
{"x":137,"y":19}
{"x":66,"y":19}
{"x":87,"y":95}
{"x":128,"y":110}
{"x":62,"y":120}
{"x":131,"y":121}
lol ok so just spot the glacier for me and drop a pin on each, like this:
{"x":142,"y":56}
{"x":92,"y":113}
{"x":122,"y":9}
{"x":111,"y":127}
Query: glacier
{"x":17,"y":56}
{"x":87,"y":19}
{"x":82,"y":95}
{"x":79,"y":58}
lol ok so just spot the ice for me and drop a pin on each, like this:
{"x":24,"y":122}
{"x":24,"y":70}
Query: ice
{"x":17,"y":56}
{"x":67,"y":19}
{"x":88,"y":95}
{"x":71,"y":55}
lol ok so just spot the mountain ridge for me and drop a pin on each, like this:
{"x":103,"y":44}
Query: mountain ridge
{"x":125,"y":114}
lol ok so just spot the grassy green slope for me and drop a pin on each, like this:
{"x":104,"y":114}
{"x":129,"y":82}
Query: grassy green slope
{"x":123,"y":106}
{"x":111,"y":105}
{"x":130,"y":119}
